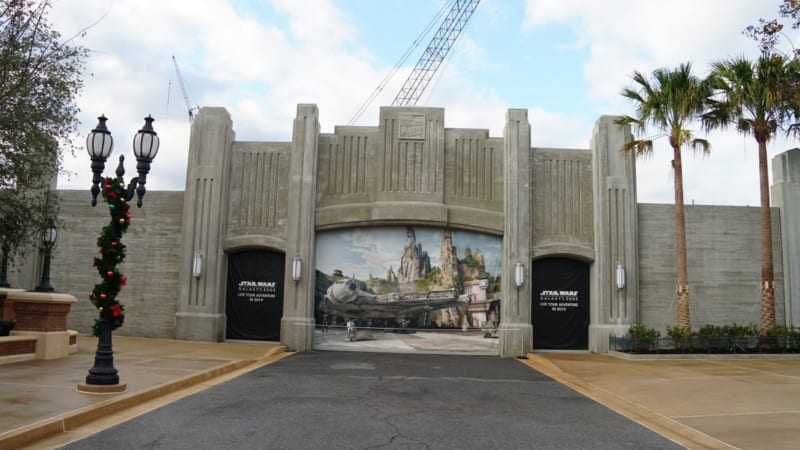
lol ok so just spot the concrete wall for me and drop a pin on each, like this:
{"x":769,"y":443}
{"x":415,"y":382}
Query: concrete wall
{"x":151,"y":265}
{"x":411,"y":169}
{"x":724,"y":260}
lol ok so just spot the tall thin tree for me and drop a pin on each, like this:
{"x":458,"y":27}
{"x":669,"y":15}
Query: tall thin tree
{"x":758,"y":97}
{"x":670,"y":101}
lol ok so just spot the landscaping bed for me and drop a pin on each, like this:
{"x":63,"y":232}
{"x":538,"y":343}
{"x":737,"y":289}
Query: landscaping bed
{"x":710,"y":339}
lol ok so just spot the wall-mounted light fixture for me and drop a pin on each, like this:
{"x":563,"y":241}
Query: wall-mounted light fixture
{"x":519,"y":274}
{"x":197,"y":265}
{"x":620,"y":276}
{"x":297,"y":267}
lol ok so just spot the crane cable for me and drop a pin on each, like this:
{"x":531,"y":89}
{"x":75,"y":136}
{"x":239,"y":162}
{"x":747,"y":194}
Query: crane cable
{"x":446,"y":7}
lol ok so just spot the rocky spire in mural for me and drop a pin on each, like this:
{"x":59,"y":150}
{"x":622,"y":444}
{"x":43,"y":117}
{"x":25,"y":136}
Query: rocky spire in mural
{"x":448,"y":263}
{"x":390,"y":276}
{"x":472,"y":266}
{"x":414,"y":264}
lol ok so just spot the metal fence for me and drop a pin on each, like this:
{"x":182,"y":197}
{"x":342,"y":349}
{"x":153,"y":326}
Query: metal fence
{"x":699,"y":344}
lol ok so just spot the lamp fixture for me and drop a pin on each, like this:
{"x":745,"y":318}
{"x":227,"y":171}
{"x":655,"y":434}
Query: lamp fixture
{"x":620,"y":276}
{"x":100,"y":144}
{"x":297,"y":268}
{"x":49,"y":237}
{"x":519,"y":274}
{"x":197,"y":265}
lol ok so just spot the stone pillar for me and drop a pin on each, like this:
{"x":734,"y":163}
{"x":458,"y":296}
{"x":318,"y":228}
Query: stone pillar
{"x":297,"y":324}
{"x":516,"y":331}
{"x":786,"y":196}
{"x":201,"y":300}
{"x":613,"y":310}
{"x":43,"y":315}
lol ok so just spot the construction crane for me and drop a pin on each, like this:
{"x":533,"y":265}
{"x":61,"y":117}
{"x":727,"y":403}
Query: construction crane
{"x":432,"y":58}
{"x":189,"y":108}
{"x":449,"y":30}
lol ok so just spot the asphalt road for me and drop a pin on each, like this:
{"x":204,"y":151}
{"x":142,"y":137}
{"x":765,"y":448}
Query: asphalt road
{"x":341,"y":400}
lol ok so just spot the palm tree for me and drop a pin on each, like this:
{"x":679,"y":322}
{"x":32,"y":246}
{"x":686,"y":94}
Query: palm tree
{"x":757,"y":97}
{"x":670,"y":101}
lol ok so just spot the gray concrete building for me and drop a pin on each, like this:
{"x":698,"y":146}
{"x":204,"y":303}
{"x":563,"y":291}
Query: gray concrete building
{"x":561,"y":214}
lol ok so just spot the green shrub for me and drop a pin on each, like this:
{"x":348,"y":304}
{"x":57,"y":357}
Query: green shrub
{"x":6,"y":325}
{"x":639,"y":332}
{"x":787,"y":338}
{"x":681,"y":337}
{"x":780,"y":331}
{"x":740,"y":331}
{"x":710,"y":332}
{"x":642,"y":338}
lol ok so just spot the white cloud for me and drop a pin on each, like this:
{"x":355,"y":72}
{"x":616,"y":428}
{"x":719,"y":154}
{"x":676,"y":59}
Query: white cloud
{"x":259,"y":59}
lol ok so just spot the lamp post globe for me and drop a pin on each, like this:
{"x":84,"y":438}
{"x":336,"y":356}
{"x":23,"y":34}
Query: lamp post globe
{"x":49,"y":238}
{"x":146,"y":142}
{"x":99,"y":144}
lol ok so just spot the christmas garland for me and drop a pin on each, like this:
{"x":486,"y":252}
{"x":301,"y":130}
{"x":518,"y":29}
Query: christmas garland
{"x":112,"y":251}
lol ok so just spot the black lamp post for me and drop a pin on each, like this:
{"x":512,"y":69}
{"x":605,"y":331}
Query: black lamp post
{"x":49,"y":237}
{"x":99,"y":144}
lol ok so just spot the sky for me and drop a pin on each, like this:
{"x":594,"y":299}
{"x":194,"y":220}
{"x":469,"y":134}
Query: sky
{"x":565,"y":61}
{"x":365,"y":252}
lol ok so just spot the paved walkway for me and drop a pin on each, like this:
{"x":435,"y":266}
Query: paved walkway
{"x":40,"y":398}
{"x":701,"y":403}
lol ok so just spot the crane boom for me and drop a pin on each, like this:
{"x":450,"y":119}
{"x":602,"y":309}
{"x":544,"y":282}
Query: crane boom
{"x":432,"y":58}
{"x":189,"y":108}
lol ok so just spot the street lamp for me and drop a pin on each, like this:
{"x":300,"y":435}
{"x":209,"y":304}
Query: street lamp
{"x":49,"y":237}
{"x":100,"y":144}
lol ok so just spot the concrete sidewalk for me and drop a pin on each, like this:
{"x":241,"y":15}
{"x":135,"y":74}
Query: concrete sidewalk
{"x":698,"y":403}
{"x":39,"y":398}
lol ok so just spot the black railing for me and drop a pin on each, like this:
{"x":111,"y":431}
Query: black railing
{"x":704,"y":344}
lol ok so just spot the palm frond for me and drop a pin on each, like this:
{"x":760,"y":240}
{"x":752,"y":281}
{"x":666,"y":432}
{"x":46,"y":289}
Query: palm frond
{"x":701,"y":145}
{"x":640,"y":147}
{"x":668,"y":100}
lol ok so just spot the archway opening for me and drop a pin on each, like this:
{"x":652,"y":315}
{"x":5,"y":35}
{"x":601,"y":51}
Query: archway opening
{"x":560,"y":304}
{"x":254,"y":299}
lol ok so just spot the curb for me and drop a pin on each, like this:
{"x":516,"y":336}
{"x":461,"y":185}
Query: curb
{"x":665,"y":426}
{"x":63,"y":423}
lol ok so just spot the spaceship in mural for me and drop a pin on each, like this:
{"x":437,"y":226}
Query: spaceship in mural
{"x":345,"y":298}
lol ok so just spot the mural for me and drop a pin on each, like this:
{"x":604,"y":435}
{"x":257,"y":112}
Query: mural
{"x":412,"y":288}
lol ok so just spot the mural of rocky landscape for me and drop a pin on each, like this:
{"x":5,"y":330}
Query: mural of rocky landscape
{"x":408,"y":284}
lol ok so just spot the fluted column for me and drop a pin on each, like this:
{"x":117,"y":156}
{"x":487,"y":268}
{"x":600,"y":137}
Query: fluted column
{"x":516,"y":331}
{"x":201,"y":300}
{"x":786,"y":196}
{"x":613,"y":308}
{"x":297,"y":324}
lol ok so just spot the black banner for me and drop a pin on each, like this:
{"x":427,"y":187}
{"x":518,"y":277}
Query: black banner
{"x":560,"y":310}
{"x":254,"y":300}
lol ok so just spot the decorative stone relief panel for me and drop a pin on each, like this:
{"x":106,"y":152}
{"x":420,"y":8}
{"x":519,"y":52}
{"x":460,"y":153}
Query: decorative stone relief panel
{"x":562,"y":200}
{"x":258,"y":189}
{"x":346,"y":169}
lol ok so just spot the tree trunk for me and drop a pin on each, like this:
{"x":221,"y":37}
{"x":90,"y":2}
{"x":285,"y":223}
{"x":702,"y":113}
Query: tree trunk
{"x":767,"y":271}
{"x":682,"y":288}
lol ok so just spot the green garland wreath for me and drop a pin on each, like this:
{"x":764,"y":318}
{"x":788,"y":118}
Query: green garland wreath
{"x":112,"y":251}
